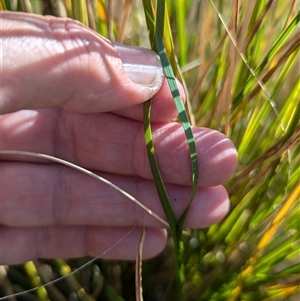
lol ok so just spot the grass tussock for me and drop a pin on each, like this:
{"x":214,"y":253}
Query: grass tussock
{"x":239,"y":61}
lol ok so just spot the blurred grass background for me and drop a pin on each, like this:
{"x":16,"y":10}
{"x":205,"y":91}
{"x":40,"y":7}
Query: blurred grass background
{"x":241,"y":66}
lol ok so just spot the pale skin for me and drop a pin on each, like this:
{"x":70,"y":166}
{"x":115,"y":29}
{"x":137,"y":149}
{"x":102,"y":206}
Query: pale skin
{"x":64,"y":92}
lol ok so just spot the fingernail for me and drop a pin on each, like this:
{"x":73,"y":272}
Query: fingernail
{"x":142,"y":65}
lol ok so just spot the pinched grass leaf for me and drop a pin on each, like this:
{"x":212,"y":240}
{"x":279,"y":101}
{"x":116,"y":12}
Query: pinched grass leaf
{"x":157,"y":37}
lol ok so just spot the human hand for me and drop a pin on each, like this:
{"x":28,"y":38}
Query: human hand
{"x":65,"y":92}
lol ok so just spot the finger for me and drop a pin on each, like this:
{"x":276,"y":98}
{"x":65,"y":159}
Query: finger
{"x":162,"y":106}
{"x":23,"y":244}
{"x":114,"y":144}
{"x":54,"y":194}
{"x":59,"y":61}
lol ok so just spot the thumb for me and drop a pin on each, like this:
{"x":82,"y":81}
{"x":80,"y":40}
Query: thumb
{"x":48,"y":61}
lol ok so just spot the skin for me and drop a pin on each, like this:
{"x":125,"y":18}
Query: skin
{"x":77,"y":103}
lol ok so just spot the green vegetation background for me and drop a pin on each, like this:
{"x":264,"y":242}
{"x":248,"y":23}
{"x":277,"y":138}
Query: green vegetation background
{"x":241,"y":67}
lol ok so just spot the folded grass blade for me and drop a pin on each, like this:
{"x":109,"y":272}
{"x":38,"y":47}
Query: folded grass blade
{"x":176,"y":224}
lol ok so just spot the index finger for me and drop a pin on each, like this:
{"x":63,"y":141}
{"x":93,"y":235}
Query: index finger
{"x":114,"y":144}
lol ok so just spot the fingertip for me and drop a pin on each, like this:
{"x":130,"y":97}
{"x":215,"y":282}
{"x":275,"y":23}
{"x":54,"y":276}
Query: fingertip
{"x":123,"y":242}
{"x":208,"y":208}
{"x":155,"y":242}
{"x":163,"y":107}
{"x":217,"y":156}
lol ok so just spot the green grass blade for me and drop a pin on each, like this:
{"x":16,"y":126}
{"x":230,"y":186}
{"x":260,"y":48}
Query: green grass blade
{"x":180,"y":17}
{"x":176,"y":225}
{"x":178,"y":101}
{"x":80,"y":11}
{"x":272,"y":52}
{"x":278,"y":43}
{"x":5,"y":5}
{"x":150,"y":21}
{"x":155,"y":170}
